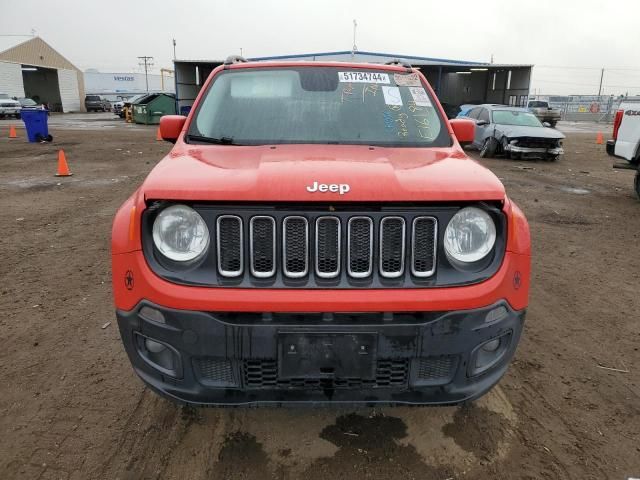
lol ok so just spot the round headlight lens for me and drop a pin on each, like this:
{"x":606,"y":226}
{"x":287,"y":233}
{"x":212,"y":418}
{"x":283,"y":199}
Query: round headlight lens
{"x":180,"y":234}
{"x":470,"y":235}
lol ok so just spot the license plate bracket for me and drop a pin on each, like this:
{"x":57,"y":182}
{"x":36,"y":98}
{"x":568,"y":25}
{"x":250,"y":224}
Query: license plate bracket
{"x":327,"y":355}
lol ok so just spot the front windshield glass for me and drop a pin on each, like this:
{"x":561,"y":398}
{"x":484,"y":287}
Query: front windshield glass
{"x":326,"y":105}
{"x":4,"y":96}
{"x":538,"y":104}
{"x":515,"y":117}
{"x":27,"y":102}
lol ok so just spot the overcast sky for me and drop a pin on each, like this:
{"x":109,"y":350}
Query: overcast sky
{"x":585,"y":35}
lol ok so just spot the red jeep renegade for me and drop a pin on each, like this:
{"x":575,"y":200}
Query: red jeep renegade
{"x":318,"y":235}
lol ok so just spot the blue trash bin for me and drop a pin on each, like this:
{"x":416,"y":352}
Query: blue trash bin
{"x":36,"y":123}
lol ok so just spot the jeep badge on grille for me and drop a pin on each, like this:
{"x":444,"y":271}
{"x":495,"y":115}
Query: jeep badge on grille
{"x":342,"y":188}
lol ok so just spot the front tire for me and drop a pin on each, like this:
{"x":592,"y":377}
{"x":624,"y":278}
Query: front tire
{"x":636,"y":184}
{"x":489,"y":147}
{"x":505,"y":144}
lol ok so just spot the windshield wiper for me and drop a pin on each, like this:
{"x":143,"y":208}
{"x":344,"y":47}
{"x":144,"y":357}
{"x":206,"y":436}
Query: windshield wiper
{"x":216,"y":141}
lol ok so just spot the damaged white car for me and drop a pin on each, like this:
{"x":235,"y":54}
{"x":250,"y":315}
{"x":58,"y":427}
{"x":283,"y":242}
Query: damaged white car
{"x":515,"y":133}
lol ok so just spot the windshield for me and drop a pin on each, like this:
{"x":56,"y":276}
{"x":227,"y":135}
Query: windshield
{"x":538,"y":104}
{"x":93,"y":97}
{"x":27,"y":102}
{"x":4,"y":96}
{"x":337,"y":105}
{"x":515,"y":117}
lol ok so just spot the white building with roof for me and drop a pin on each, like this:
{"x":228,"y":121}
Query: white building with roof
{"x":30,"y":67}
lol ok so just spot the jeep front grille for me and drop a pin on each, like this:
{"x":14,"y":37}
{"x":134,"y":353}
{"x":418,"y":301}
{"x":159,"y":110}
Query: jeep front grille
{"x":354,"y":246}
{"x":229,"y":245}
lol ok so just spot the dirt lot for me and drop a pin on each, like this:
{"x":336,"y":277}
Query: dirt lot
{"x":72,"y":408}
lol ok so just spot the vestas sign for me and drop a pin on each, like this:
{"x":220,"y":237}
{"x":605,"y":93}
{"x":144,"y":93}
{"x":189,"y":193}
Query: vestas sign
{"x":123,"y":78}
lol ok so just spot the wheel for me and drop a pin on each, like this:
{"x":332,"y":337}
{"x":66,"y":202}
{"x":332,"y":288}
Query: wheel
{"x":18,"y":116}
{"x":552,"y":158}
{"x":489,"y":147}
{"x":636,"y":184}
{"x":505,"y":144}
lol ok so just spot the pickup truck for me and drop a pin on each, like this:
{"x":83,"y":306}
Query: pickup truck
{"x":625,"y":143}
{"x":318,"y":235}
{"x":544,"y":112}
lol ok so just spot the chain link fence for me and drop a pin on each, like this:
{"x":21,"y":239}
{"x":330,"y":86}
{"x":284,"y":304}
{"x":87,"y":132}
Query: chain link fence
{"x":587,"y":108}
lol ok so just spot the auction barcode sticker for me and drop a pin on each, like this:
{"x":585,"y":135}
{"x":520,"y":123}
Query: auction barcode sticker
{"x":363,"y":77}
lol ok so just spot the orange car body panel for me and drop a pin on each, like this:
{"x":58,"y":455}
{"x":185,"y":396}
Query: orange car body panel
{"x":281,"y":173}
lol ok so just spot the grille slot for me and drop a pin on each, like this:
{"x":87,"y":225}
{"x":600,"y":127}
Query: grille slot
{"x":263,"y":374}
{"x":229,"y":245}
{"x":423,"y":246}
{"x":214,"y":371}
{"x":392,"y":246}
{"x":295,"y":246}
{"x":328,"y":246}
{"x":436,"y":370}
{"x":360,"y":247}
{"x":262,"y":246}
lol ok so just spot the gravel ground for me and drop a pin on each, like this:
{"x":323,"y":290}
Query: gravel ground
{"x":72,"y":408}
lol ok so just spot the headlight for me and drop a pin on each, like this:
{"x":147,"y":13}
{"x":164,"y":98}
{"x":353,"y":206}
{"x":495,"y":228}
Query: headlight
{"x":180,"y":234}
{"x":470,"y":235}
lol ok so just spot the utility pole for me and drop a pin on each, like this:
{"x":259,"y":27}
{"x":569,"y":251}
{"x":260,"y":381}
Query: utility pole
{"x":601,"y":77}
{"x":174,"y":48}
{"x":147,"y":62}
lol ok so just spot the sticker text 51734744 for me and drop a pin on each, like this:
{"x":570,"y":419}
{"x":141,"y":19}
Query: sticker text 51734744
{"x":363,"y":77}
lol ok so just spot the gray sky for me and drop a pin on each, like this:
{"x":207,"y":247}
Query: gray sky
{"x":589,"y":34}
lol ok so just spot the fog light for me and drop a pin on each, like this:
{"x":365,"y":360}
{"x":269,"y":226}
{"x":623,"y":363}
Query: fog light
{"x":491,"y":346}
{"x":153,"y":347}
{"x":152,"y":314}
{"x":161,"y":356}
{"x":489,"y":353}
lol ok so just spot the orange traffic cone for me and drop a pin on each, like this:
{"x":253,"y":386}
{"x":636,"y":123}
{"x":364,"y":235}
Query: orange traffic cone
{"x":158,"y":136}
{"x":599,"y":139}
{"x":12,"y":132}
{"x":63,"y":168}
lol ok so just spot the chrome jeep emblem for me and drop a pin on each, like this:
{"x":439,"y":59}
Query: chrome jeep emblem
{"x":340,"y":188}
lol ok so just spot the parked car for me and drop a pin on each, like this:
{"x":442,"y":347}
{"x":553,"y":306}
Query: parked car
{"x":625,"y":143}
{"x":514,"y":132}
{"x":300,"y":243}
{"x":544,"y":112}
{"x":9,"y":107}
{"x":465,"y":109}
{"x":95,"y":103}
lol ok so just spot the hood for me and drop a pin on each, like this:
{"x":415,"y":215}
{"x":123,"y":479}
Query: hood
{"x":287,"y":173}
{"x":513,"y":131}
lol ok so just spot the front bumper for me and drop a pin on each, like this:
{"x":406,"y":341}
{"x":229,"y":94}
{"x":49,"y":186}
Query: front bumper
{"x":535,"y":151}
{"x":9,"y":110}
{"x":416,"y":358}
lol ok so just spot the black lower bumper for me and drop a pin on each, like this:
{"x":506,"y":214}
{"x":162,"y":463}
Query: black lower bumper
{"x":210,"y":358}
{"x":611,"y":147}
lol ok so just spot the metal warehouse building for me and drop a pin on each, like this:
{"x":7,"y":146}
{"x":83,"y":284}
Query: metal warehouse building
{"x":34,"y":69}
{"x":456,"y":82}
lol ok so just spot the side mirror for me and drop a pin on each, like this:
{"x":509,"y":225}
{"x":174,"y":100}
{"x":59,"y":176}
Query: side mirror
{"x":464,"y":129}
{"x":546,"y":124}
{"x":482,"y":123}
{"x":171,"y":126}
